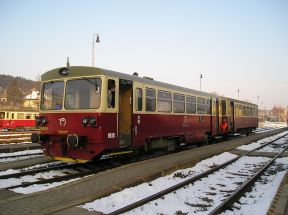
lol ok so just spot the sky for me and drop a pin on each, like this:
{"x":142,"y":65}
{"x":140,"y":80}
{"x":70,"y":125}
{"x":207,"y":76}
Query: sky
{"x":233,"y":44}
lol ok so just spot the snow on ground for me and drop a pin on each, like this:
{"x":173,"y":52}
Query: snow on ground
{"x":268,"y":126}
{"x":40,"y":187}
{"x":15,"y":135}
{"x":29,"y":154}
{"x":4,"y":183}
{"x":32,"y":178}
{"x":20,"y":143}
{"x":25,"y":152}
{"x":259,"y":199}
{"x":37,"y":166}
{"x":198,"y":198}
{"x":254,"y":145}
{"x":277,"y":146}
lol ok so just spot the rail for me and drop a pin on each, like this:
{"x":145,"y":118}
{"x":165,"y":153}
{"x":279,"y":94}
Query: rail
{"x":186,"y":182}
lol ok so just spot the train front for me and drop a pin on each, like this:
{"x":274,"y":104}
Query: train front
{"x":71,"y":114}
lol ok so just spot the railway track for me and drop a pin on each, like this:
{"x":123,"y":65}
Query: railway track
{"x":226,"y":204}
{"x":14,"y":137}
{"x":232,"y":198}
{"x":81,"y":170}
{"x":21,"y":155}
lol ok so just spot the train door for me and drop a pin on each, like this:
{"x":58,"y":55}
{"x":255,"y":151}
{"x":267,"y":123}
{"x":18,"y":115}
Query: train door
{"x":125,"y":113}
{"x":218,"y":115}
{"x":232,"y":117}
{"x":214,"y":117}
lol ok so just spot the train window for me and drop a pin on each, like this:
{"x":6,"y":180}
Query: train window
{"x":223,"y":106}
{"x":190,"y":104}
{"x":244,"y":110}
{"x":139,"y":95}
{"x":111,"y":93}
{"x":12,"y":116}
{"x":7,"y":115}
{"x":214,"y":108}
{"x":164,"y":101}
{"x":237,"y":110}
{"x":2,"y":115}
{"x":83,"y":94}
{"x":52,"y":96}
{"x":28,"y":116}
{"x":201,"y":105}
{"x":20,"y":115}
{"x":178,"y":103}
{"x":150,"y":99}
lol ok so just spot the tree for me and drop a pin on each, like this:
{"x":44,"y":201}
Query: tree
{"x":14,"y":95}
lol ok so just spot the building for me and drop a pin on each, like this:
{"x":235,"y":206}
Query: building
{"x":31,"y":99}
{"x":279,"y":113}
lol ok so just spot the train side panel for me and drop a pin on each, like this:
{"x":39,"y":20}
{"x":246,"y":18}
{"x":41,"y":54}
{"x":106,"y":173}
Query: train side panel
{"x":152,"y":126}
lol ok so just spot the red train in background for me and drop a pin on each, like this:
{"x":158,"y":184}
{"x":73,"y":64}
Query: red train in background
{"x":17,"y":119}
{"x":89,"y":112}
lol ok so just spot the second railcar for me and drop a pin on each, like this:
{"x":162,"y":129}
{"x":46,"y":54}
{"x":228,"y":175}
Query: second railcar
{"x":17,"y":119}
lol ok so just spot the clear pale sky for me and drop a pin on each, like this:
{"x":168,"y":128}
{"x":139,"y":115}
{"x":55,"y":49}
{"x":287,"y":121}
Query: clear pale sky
{"x":234,"y":44}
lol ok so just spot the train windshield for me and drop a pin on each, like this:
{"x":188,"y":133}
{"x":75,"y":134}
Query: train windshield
{"x":52,"y":95}
{"x":83,"y":93}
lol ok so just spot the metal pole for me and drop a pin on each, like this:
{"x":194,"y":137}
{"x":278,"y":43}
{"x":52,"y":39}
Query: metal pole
{"x":238,"y":94}
{"x":93,"y":47}
{"x":93,"y":52}
{"x":201,"y":76}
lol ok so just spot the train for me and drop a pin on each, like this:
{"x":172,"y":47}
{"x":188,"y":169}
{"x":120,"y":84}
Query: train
{"x":17,"y":119}
{"x":88,"y":112}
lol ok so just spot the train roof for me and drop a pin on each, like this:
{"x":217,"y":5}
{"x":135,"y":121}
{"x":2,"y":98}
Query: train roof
{"x":81,"y":71}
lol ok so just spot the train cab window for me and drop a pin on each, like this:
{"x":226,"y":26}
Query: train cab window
{"x":164,"y":101}
{"x":83,"y":94}
{"x":190,"y":104}
{"x":178,"y":103}
{"x":223,"y":107}
{"x":139,"y":95}
{"x":150,"y":99}
{"x":111,"y":93}
{"x":52,"y":95}
{"x":2,"y":115}
{"x":201,"y":105}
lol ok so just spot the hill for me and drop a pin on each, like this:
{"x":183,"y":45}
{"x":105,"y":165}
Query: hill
{"x":23,"y":83}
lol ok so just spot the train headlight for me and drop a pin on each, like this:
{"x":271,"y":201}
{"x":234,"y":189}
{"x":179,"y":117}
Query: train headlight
{"x":38,"y":121}
{"x":64,"y":72}
{"x":85,"y":121}
{"x":92,"y":121}
{"x":43,"y":120}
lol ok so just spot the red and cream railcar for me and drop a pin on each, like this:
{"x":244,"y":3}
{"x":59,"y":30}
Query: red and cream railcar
{"x":87,"y":112}
{"x":16,"y":119}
